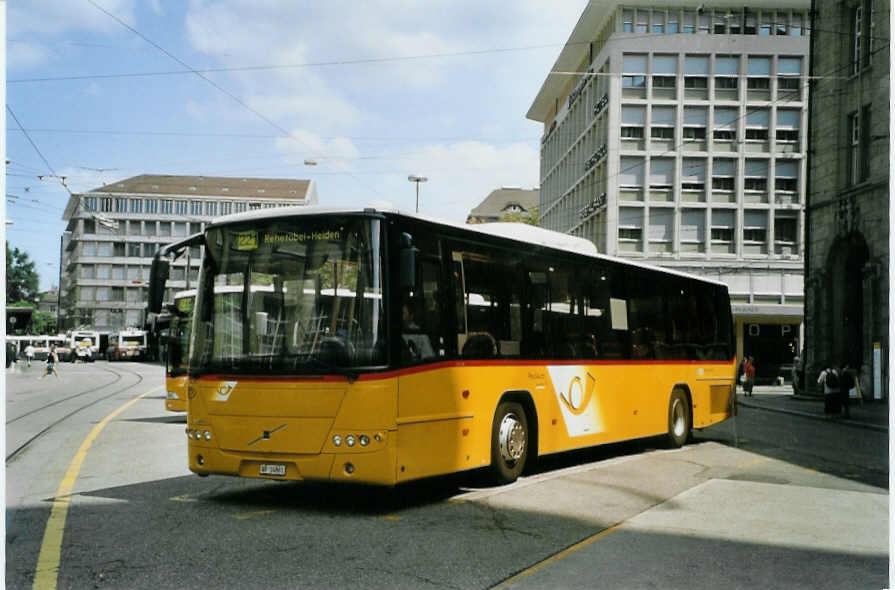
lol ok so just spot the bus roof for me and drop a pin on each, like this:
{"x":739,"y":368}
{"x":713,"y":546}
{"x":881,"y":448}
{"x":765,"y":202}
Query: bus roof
{"x":520,"y":232}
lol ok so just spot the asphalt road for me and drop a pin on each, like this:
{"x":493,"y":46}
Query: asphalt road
{"x":797,"y":504}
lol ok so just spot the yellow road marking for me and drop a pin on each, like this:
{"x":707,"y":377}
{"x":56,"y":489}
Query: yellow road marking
{"x":556,"y":557}
{"x":47,"y":570}
{"x":248,"y":515}
{"x":389,"y":517}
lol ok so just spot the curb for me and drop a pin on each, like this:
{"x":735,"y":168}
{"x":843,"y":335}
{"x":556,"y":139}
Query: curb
{"x":852,"y":423}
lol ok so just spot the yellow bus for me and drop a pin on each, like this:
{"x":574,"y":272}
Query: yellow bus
{"x":380,"y":347}
{"x":176,"y":361}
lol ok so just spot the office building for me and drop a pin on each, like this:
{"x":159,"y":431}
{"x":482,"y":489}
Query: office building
{"x":114,"y":231}
{"x":675,"y":135}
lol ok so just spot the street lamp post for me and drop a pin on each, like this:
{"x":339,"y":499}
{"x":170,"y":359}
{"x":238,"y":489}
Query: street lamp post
{"x":417,"y":180}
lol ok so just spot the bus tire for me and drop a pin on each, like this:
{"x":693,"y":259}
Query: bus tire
{"x":509,"y":442}
{"x":680,"y":420}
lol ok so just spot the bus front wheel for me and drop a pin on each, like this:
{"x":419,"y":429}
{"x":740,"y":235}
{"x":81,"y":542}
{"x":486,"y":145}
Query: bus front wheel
{"x":509,"y":442}
{"x":680,"y":419}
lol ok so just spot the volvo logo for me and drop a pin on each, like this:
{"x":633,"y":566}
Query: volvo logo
{"x":265,"y":435}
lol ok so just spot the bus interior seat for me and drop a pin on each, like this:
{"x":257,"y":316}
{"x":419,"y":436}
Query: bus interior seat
{"x":480,"y":345}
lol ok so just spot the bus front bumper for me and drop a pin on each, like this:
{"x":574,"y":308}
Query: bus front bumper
{"x":369,"y":467}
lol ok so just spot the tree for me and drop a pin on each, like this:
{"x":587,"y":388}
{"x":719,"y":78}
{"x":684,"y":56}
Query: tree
{"x":529,"y":217}
{"x":22,"y":281}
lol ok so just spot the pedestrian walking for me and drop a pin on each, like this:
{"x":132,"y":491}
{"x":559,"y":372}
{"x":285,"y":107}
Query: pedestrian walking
{"x":51,"y":363}
{"x":749,"y":373}
{"x":847,"y":383}
{"x":29,"y":353}
{"x":829,"y":379}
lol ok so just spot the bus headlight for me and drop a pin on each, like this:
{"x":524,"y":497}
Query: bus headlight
{"x":337,"y":440}
{"x":207,"y":435}
{"x":364,"y":440}
{"x":349,"y":440}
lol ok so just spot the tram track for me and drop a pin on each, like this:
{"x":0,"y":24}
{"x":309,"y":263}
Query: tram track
{"x":22,"y":447}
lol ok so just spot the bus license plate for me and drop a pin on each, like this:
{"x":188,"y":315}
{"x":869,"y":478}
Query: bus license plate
{"x":273,"y":469}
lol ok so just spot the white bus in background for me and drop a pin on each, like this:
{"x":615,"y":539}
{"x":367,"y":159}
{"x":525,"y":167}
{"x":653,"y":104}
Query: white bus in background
{"x":42,"y":345}
{"x":84,"y":345}
{"x":127,"y":345}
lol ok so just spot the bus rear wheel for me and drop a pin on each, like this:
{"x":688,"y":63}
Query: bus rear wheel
{"x":680,"y":420}
{"x":509,"y":442}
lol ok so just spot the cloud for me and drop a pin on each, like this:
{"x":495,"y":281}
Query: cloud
{"x":336,"y":153}
{"x":60,"y":16}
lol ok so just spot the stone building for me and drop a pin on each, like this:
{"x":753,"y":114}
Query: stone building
{"x":847,"y":212}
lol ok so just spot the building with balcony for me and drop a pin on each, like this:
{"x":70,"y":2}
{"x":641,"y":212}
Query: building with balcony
{"x":847,"y":213}
{"x":675,"y":135}
{"x":114,"y":231}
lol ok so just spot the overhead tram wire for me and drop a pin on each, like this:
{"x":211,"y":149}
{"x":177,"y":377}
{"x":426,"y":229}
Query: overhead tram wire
{"x":361,"y":61}
{"x":286,"y":134}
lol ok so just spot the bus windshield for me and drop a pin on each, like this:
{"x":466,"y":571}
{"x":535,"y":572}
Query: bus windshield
{"x":291,"y":295}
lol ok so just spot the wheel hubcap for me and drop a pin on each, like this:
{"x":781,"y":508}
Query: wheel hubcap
{"x":511,"y":438}
{"x":678,"y":420}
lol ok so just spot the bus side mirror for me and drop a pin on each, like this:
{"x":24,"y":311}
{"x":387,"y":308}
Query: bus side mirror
{"x":407,"y":262}
{"x":158,"y":276}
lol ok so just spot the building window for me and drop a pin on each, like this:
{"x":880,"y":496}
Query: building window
{"x":180,"y":207}
{"x":118,"y":249}
{"x":788,"y":121}
{"x":725,"y":128}
{"x":661,"y":229}
{"x":689,"y":22}
{"x":133,"y":250}
{"x":211,"y":208}
{"x":720,"y":23}
{"x":673,"y":24}
{"x":226,"y":207}
{"x":634,"y":73}
{"x":630,"y":226}
{"x":662,"y":122}
{"x":120,"y":205}
{"x":88,"y":248}
{"x":627,"y":21}
{"x":134,"y":272}
{"x":103,"y":271}
{"x":239,"y":207}
{"x":785,"y":229}
{"x":88,"y":271}
{"x":859,"y":145}
{"x":693,"y":174}
{"x":749,"y":26}
{"x":179,"y":229}
{"x":151,"y":205}
{"x":105,"y":204}
{"x":757,"y":125}
{"x":136,"y":205}
{"x":733,"y":23}
{"x":755,"y":227}
{"x":724,"y":174}
{"x":664,"y":82}
{"x":167,"y":207}
{"x":117,"y":294}
{"x":633,"y":119}
{"x":789,"y":84}
{"x":692,"y":226}
{"x":642,"y":21}
{"x":661,"y":174}
{"x":90,"y":203}
{"x":694,"y":123}
{"x":254,"y":206}
{"x":696,"y":82}
{"x":195,"y":207}
{"x":758,"y":83}
{"x":726,"y":83}
{"x":767,"y":23}
{"x":755,"y":178}
{"x":630,"y":175}
{"x":87,"y":294}
{"x":118,"y":272}
{"x":795,"y":27}
{"x":722,"y":226}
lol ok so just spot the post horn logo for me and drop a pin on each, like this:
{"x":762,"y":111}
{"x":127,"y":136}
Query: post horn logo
{"x":578,"y":396}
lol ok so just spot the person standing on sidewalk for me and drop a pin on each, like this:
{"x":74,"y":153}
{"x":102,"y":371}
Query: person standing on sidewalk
{"x":829,"y":379}
{"x":749,"y":372}
{"x":29,"y":353}
{"x":846,"y":384}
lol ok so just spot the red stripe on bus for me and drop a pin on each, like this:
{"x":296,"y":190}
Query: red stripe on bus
{"x":458,"y":363}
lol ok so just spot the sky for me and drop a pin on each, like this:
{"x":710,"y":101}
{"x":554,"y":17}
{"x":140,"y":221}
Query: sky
{"x":371,"y":91}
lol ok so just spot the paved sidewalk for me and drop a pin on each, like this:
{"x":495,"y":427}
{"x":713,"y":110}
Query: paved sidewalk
{"x":873,"y":415}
